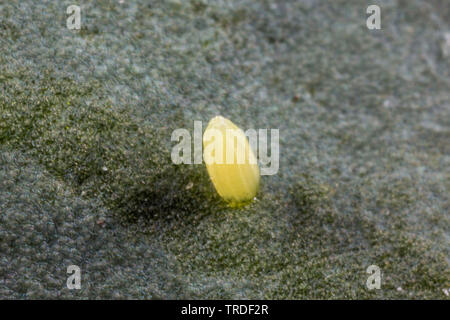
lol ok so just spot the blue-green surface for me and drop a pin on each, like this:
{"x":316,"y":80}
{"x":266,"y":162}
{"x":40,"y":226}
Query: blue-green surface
{"x":85,"y":170}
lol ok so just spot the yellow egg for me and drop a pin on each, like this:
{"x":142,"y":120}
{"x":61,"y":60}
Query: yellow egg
{"x":230,"y":161}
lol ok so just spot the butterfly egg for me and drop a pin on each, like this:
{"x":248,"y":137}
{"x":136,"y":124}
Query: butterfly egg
{"x":230,"y":161}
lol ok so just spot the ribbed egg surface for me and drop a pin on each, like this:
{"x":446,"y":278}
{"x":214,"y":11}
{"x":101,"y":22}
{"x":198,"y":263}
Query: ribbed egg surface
{"x":230,"y":161}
